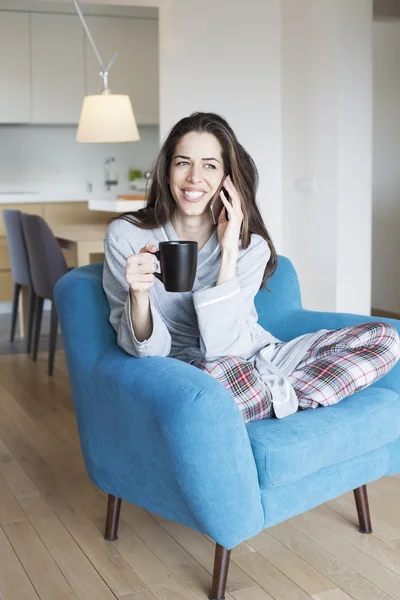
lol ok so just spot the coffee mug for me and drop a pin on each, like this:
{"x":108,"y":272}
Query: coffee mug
{"x":178,"y":263}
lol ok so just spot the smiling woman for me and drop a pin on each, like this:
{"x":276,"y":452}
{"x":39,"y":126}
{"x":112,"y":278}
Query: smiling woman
{"x":197,"y":156}
{"x":215,"y":326}
{"x":196,"y":179}
{"x":194,"y":176}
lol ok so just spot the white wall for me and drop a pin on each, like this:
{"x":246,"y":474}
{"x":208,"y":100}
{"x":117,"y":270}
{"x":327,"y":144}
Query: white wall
{"x":211,"y":59}
{"x":386,"y":167}
{"x":354,"y":155}
{"x":45,"y":158}
{"x":294,"y":80}
{"x":326,"y":64}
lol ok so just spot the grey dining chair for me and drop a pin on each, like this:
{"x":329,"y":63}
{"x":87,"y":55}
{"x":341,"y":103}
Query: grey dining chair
{"x":47,"y":264}
{"x":19,"y":270}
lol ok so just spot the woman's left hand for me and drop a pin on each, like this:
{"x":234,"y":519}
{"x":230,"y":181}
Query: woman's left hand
{"x":228,"y":230}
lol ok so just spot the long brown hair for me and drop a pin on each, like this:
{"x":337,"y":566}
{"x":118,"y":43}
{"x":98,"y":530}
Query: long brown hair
{"x":237,"y":162}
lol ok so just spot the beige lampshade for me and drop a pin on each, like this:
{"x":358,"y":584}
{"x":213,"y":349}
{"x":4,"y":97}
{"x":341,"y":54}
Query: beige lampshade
{"x":107,"y":117}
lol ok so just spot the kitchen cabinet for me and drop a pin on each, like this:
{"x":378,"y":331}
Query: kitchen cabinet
{"x":15,"y":99}
{"x":135,"y":71}
{"x":57,"y":68}
{"x":47,"y":65}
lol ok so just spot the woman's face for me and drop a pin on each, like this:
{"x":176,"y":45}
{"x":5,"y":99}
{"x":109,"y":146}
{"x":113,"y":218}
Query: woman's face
{"x":196,"y":172}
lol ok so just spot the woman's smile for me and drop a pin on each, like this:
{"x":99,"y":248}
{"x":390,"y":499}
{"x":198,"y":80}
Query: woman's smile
{"x":193,"y":195}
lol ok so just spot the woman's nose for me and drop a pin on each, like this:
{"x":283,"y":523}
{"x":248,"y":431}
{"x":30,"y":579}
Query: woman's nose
{"x":194,"y":174}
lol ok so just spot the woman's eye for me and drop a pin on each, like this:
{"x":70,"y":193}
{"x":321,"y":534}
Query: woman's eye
{"x":185,"y":162}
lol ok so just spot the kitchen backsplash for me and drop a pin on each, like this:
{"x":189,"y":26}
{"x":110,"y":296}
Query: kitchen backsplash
{"x":48,"y":157}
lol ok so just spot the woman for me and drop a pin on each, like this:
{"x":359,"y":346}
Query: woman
{"x":204,"y":189}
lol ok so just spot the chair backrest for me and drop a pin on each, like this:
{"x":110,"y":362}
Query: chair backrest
{"x":17,"y":247}
{"x":46,"y":260}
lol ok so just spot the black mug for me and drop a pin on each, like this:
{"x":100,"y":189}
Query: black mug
{"x":178,"y":263}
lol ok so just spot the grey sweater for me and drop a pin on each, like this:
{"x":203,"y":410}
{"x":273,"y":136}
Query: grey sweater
{"x":209,"y":322}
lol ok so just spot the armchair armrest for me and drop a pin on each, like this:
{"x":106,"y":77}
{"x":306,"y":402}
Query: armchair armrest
{"x":307,"y":321}
{"x":166,"y":436}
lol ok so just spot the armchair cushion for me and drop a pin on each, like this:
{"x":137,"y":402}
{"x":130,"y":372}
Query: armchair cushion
{"x":286,"y":450}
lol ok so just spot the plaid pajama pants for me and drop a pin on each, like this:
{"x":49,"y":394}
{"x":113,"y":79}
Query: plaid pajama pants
{"x":339,"y":363}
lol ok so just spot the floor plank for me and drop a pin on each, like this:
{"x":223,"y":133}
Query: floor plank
{"x":71,"y":560}
{"x":271,"y":579}
{"x":304,"y":575}
{"x":145,"y":595}
{"x":152,"y":571}
{"x":14,"y":582}
{"x":117,"y":573}
{"x":13,"y":474}
{"x":164,"y":549}
{"x":332,"y":595}
{"x":40,"y":566}
{"x":9,"y":507}
{"x":362,"y":563}
{"x":331,"y":566}
{"x":347,"y":510}
{"x":202,"y":550}
{"x":370,"y":544}
{"x":255,"y":593}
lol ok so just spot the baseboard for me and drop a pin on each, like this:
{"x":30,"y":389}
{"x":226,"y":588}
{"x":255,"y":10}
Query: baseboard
{"x":388,"y":314}
{"x":5,"y":307}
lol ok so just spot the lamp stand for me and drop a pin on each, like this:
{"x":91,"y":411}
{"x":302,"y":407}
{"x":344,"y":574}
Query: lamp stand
{"x":104,"y":70}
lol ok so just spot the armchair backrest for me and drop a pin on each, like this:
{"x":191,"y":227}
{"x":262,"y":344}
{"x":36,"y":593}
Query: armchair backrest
{"x":84,"y":311}
{"x":283,"y":298}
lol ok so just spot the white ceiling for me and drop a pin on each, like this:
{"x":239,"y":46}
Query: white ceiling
{"x":382,"y":8}
{"x":122,"y":7}
{"x":118,"y":2}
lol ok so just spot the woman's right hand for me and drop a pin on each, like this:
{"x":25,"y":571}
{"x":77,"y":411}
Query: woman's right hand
{"x":140,"y":269}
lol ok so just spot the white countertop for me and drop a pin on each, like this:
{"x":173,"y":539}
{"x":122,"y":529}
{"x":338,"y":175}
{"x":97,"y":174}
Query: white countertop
{"x":115,"y":205}
{"x":29,"y":196}
{"x":105,"y":201}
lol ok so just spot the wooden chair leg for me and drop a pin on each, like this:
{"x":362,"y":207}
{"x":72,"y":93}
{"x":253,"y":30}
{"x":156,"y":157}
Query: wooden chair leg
{"x":364,"y":518}
{"x":113,"y":511}
{"x":14,"y":314}
{"x":31,"y":314}
{"x":38,"y":324}
{"x":221,"y":567}
{"x":53,"y":337}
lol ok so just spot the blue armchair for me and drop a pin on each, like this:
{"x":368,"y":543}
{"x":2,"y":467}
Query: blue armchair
{"x":164,"y":435}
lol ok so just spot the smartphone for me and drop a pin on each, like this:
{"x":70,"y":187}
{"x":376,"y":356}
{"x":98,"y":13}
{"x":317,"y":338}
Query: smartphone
{"x":216,"y":204}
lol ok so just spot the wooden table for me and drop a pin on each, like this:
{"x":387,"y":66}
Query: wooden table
{"x":84,"y":240}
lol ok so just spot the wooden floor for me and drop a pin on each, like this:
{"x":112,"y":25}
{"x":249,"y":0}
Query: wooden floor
{"x":52,"y":518}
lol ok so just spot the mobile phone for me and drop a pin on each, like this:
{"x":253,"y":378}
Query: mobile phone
{"x":216,"y":204}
